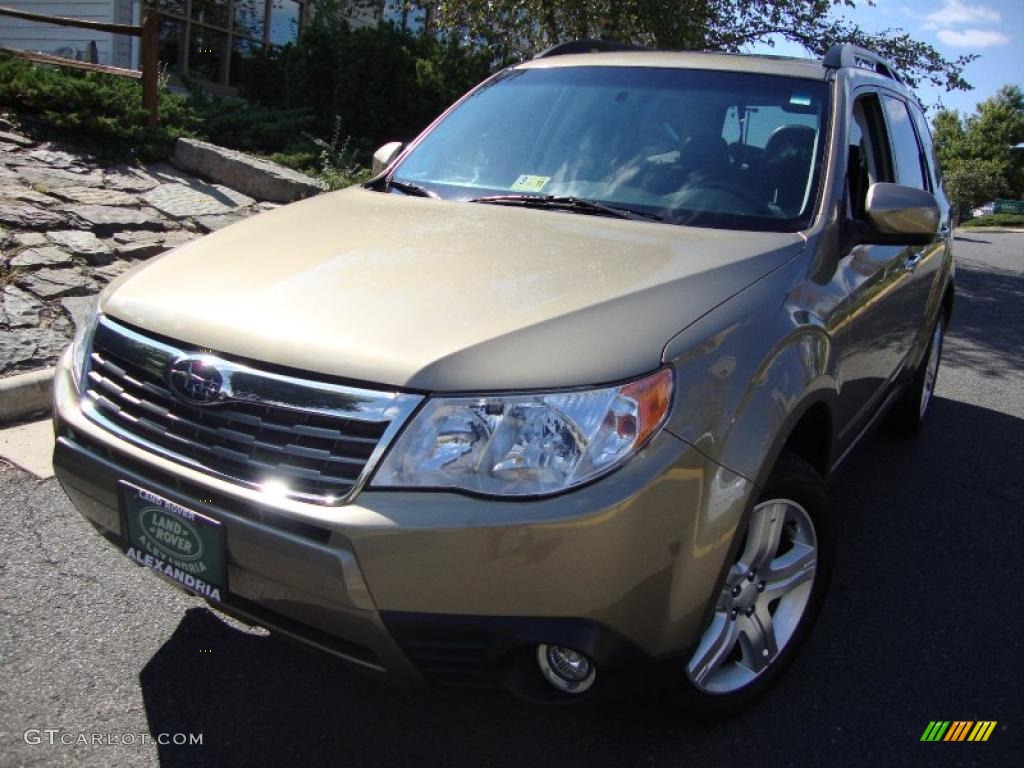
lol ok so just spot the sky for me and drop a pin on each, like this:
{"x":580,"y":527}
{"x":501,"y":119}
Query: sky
{"x":994,"y":29}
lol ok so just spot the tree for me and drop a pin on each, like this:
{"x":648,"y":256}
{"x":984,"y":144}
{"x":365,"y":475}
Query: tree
{"x":972,"y":182}
{"x":516,"y":29}
{"x":993,"y":132}
{"x":983,"y":143}
{"x":948,"y":135}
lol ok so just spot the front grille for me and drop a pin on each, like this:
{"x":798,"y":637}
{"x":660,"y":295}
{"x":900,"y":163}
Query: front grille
{"x":316,"y":454}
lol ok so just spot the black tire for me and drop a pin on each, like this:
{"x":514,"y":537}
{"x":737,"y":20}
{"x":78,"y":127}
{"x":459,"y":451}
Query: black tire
{"x":908,"y":415}
{"x":792,"y":479}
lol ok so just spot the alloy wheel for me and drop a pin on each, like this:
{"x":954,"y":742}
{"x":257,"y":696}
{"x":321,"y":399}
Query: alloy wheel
{"x":762,"y":601}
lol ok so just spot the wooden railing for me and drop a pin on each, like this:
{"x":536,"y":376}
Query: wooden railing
{"x":148,"y":31}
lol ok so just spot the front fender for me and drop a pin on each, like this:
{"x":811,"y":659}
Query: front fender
{"x":748,"y":370}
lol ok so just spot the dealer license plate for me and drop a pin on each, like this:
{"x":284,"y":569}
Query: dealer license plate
{"x":179,"y":543}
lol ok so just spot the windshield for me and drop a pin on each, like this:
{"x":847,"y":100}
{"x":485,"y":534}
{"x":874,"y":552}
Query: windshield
{"x":706,"y":148}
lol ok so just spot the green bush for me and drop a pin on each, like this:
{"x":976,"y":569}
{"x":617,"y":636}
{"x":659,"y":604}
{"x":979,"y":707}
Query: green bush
{"x":384,"y":83}
{"x":103,"y":111}
{"x":237,"y":124}
{"x":387,"y":84}
{"x":997,"y":220}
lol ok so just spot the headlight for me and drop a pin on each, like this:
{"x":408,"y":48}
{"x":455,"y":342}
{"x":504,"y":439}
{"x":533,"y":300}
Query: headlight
{"x":529,"y":444}
{"x":82,"y":343}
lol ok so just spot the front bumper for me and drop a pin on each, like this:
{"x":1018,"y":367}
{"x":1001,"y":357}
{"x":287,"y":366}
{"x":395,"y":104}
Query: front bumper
{"x":441,"y":586}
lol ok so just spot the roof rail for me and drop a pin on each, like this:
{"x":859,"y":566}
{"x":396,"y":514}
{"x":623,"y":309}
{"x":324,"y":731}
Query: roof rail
{"x":587,"y":46}
{"x":849,"y":55}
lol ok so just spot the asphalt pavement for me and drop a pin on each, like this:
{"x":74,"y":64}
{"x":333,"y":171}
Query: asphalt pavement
{"x":921,"y":624}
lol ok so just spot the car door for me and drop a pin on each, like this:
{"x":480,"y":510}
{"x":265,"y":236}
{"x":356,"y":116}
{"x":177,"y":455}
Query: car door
{"x":876,"y":321}
{"x":913,"y":170}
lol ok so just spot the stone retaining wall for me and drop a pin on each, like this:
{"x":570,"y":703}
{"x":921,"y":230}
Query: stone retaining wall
{"x":69,"y":225}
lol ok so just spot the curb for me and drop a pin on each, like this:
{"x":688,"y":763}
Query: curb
{"x":990,"y":230}
{"x":25,"y":395}
{"x":255,"y":177}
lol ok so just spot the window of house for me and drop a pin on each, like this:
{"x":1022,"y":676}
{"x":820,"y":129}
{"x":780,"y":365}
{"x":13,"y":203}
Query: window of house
{"x":403,"y":14}
{"x":211,"y":39}
{"x":285,"y":17}
{"x":250,"y":18}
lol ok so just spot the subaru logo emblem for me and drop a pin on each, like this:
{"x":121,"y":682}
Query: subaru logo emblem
{"x":195,"y":380}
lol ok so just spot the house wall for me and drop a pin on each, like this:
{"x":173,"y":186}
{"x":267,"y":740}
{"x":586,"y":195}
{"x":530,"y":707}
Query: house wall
{"x":46,"y":38}
{"x":122,"y":53}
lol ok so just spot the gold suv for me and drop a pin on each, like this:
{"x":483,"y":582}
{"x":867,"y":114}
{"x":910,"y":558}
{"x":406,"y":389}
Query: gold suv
{"x":550,"y":403}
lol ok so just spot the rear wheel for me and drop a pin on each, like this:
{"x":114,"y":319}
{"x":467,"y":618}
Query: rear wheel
{"x":771,"y":595}
{"x":909,"y":413}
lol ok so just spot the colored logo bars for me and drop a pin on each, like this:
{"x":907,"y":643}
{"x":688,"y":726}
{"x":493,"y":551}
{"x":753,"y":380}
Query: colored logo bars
{"x":958,"y":730}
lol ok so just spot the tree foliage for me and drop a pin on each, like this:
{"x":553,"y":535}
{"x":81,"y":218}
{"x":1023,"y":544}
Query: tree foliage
{"x":973,"y":182}
{"x":978,"y":151}
{"x":383,"y":82}
{"x":516,"y":29}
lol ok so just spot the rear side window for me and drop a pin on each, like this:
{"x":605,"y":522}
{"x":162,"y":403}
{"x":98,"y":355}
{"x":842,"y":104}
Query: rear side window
{"x":925,"y":134}
{"x":905,"y":148}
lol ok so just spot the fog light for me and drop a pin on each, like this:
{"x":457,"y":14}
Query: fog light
{"x":566,"y":669}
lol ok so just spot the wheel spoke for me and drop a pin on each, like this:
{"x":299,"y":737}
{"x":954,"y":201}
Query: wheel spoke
{"x":715,"y":647}
{"x":766,"y":524}
{"x":789,"y":571}
{"x":757,"y":639}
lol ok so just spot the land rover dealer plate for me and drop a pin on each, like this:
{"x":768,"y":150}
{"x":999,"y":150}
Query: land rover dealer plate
{"x":181,"y":544}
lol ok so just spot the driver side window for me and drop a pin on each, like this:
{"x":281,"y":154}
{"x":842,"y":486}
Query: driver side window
{"x":868,"y":154}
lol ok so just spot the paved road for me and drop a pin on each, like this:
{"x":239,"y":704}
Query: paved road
{"x":922,"y":623}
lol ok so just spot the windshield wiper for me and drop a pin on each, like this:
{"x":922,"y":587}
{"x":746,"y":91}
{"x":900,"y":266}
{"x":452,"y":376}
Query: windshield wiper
{"x":408,"y":188}
{"x":566,"y":203}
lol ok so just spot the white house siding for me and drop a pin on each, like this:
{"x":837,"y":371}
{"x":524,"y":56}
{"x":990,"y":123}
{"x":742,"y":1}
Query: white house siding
{"x":122,"y":55}
{"x":47,"y":38}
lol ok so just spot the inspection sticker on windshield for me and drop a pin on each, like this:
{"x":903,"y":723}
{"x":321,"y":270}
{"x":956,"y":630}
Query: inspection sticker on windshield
{"x":526,"y":183}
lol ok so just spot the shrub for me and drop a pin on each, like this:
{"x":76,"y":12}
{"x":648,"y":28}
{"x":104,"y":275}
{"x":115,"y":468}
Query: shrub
{"x":236,"y":123}
{"x":997,"y":220}
{"x":104,"y":110}
{"x":338,"y":164}
{"x":389,"y":84}
{"x":104,"y":113}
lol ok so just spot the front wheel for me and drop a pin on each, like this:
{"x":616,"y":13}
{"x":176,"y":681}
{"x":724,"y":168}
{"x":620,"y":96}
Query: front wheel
{"x":771,"y":595}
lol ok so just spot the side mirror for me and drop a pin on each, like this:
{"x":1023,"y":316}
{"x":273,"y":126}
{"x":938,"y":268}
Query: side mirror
{"x":901,"y":215}
{"x":386,"y":155}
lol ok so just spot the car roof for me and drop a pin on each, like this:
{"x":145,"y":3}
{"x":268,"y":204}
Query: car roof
{"x":729,"y":62}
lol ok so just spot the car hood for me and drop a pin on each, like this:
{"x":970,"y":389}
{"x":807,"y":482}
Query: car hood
{"x":444,"y":296}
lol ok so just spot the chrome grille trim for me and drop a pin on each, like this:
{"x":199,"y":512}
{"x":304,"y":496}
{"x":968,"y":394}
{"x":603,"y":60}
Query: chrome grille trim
{"x":323,"y":440}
